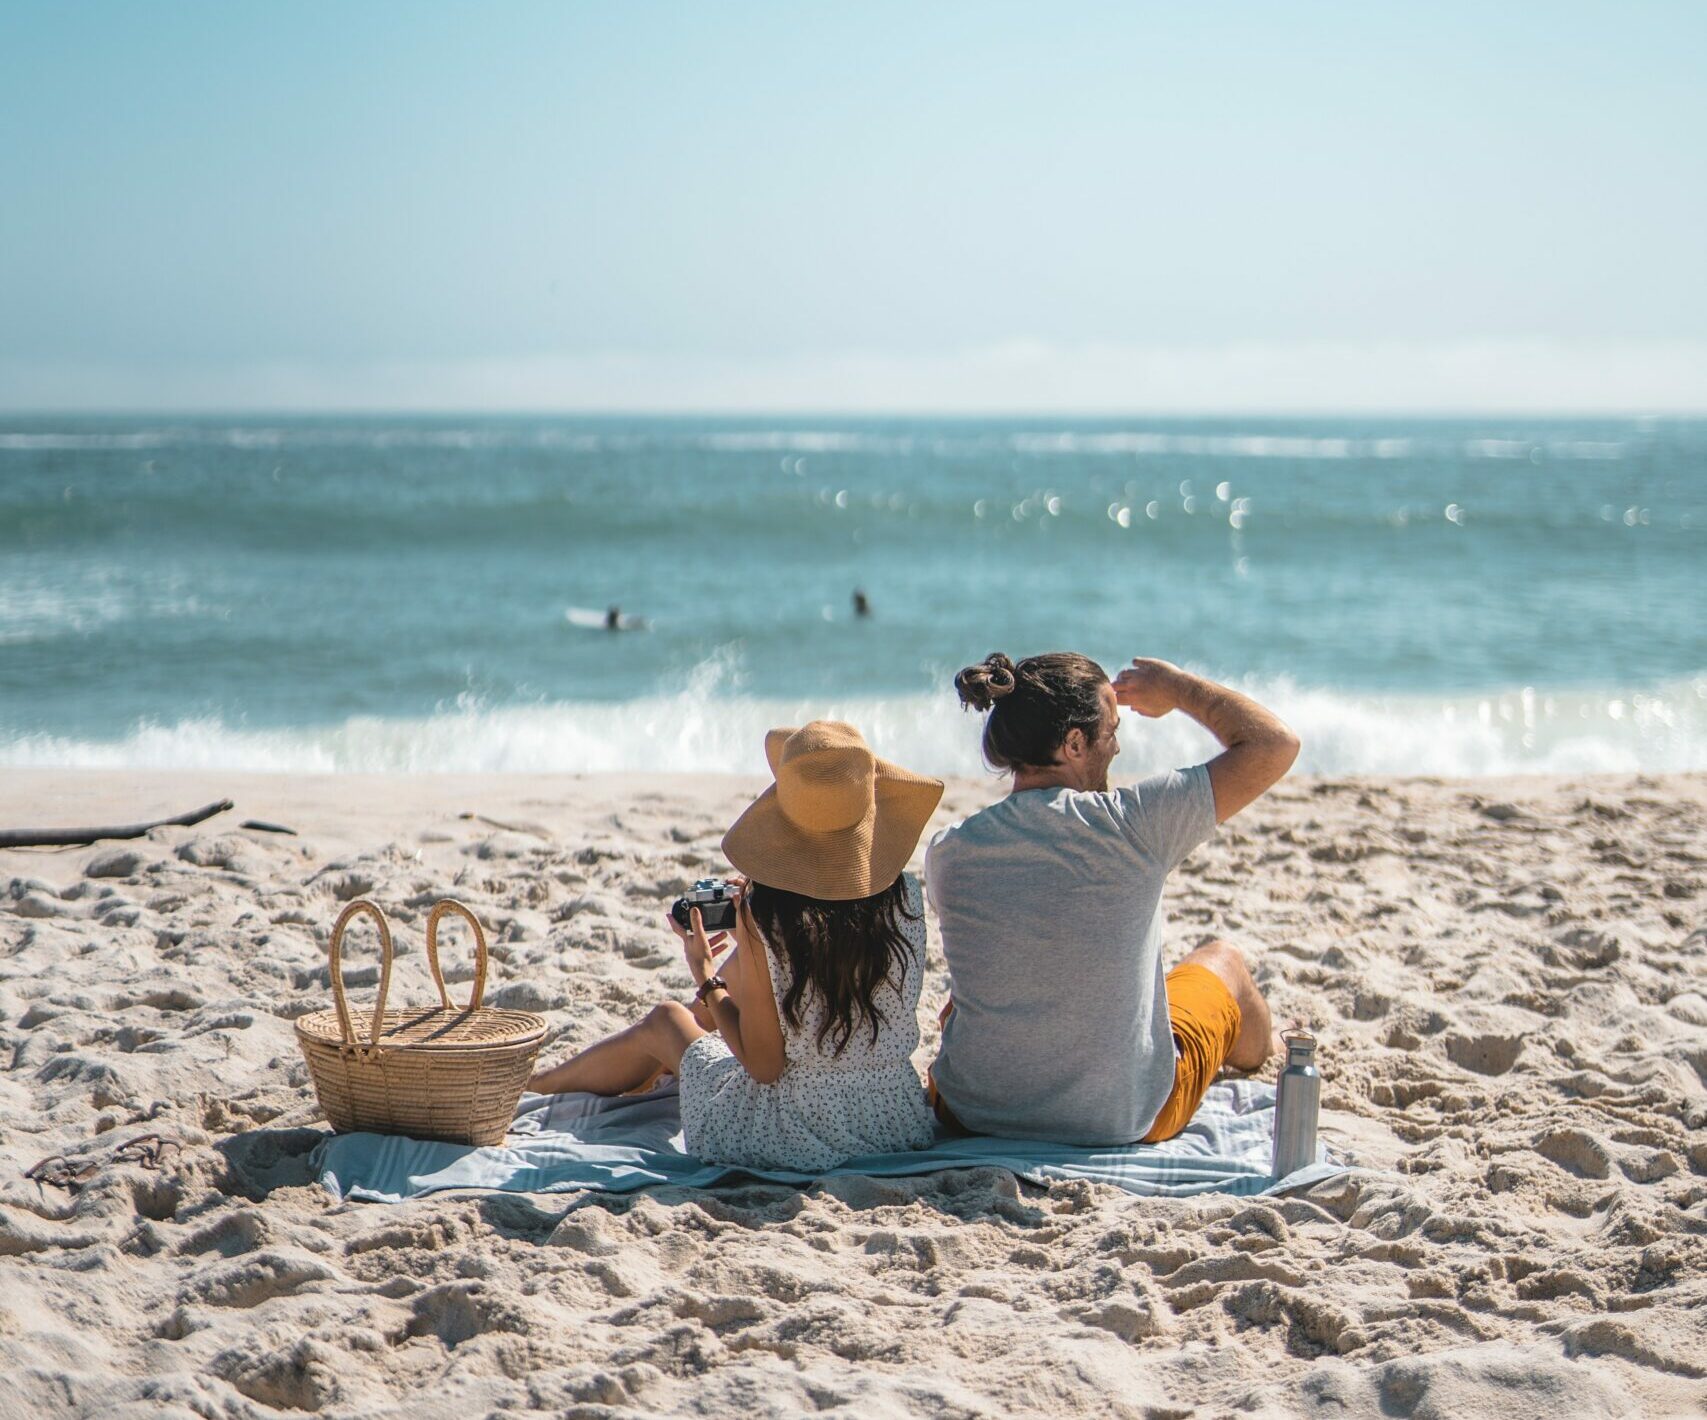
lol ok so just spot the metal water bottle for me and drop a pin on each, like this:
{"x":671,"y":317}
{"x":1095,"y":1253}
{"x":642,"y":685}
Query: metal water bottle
{"x":1298,"y":1101}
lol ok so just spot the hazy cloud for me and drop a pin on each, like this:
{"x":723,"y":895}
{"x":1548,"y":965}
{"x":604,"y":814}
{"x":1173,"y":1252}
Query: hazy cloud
{"x":1022,"y":376}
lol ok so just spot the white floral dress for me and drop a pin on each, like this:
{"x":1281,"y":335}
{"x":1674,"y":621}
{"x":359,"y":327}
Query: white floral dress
{"x":823,"y":1109}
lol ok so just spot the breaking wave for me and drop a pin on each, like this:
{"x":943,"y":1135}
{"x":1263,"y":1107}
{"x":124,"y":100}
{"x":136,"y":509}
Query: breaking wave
{"x":1520,"y":731}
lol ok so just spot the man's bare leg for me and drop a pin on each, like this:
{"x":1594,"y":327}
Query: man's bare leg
{"x":1257,"y":1039}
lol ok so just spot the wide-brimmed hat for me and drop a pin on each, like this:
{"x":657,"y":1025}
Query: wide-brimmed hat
{"x":838,"y":824}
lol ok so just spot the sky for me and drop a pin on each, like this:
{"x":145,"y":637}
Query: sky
{"x":861,"y":207}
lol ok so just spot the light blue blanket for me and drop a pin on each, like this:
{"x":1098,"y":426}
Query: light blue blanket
{"x":568,"y":1143}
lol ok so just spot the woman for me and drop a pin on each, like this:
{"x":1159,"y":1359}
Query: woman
{"x":798,"y":1053}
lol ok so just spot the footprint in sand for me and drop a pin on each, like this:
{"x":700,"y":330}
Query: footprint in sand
{"x":460,"y":1311}
{"x":1484,"y":1054}
{"x":232,"y":1234}
{"x":1576,"y":1152}
{"x":258,"y":1278}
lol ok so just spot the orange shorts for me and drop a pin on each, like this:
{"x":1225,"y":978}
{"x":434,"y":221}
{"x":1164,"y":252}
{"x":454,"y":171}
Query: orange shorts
{"x":1206,"y":1021}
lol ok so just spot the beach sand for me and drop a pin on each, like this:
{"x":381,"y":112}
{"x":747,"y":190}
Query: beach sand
{"x":1508,"y":978}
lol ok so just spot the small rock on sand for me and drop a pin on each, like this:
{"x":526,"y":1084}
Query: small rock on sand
{"x":116,"y":863}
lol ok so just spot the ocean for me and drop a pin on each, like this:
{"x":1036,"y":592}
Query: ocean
{"x":1416,"y":596}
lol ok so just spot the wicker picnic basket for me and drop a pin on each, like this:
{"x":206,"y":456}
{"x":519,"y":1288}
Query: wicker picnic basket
{"x":431,"y":1072}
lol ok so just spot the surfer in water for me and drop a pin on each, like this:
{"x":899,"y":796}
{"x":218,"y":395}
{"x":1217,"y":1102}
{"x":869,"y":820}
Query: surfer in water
{"x":612,"y":618}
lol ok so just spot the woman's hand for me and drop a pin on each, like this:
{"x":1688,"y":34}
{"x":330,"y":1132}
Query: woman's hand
{"x":697,"y":948}
{"x":746,"y":930}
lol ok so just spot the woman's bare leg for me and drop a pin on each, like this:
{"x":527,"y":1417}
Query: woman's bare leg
{"x":628,"y":1059}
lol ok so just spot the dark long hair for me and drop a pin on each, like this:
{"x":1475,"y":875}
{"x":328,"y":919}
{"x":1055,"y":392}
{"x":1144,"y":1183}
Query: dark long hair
{"x":844,"y":951}
{"x":1033,"y":705}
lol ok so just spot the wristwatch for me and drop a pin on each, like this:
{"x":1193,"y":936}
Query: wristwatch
{"x":710,"y":984}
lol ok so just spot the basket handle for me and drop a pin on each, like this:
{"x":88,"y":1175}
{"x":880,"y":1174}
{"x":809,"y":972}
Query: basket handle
{"x":355,"y":909}
{"x":442,"y":909}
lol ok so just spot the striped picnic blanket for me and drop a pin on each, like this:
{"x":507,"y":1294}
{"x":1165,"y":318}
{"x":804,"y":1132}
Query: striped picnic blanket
{"x":570,"y":1143}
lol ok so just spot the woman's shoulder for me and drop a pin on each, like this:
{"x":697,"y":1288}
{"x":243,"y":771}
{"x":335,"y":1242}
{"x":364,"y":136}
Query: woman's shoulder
{"x":912,"y":896}
{"x":911,"y":918}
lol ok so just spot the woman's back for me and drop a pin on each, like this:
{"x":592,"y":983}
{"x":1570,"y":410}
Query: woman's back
{"x":827,"y":1106}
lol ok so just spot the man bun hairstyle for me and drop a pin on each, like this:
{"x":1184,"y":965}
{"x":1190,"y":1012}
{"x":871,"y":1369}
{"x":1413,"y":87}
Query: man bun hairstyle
{"x":982,"y":685}
{"x":1033,"y":705}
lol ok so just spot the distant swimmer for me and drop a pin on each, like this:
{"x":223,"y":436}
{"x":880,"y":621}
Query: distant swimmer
{"x":613,"y":618}
{"x":862,"y":607}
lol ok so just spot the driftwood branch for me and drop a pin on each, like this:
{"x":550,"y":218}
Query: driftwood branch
{"x":529,"y":828}
{"x":71,"y":837}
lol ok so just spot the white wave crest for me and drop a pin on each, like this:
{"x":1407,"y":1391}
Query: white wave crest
{"x":804,"y":441}
{"x":1512,"y":732}
{"x":1234,"y":446}
{"x":147,"y":439}
{"x":31,"y":609}
{"x":1137,"y":443}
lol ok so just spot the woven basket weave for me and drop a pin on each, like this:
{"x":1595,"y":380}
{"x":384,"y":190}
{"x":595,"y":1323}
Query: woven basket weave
{"x":432,"y":1072}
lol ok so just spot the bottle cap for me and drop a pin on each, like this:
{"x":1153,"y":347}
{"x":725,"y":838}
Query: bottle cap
{"x":1300,"y":1046}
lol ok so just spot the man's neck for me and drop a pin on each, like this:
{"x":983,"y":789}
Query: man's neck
{"x":1055,"y":776}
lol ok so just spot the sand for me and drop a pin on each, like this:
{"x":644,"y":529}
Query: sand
{"x":1507,"y":976}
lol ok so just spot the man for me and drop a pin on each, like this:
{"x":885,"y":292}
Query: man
{"x":1062,"y":1025}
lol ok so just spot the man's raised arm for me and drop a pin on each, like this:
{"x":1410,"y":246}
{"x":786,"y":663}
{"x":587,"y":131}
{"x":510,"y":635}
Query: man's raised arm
{"x":1259,"y":748}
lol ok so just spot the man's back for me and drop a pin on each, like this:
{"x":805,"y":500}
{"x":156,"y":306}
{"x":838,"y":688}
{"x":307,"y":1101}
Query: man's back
{"x":1050,"y":906}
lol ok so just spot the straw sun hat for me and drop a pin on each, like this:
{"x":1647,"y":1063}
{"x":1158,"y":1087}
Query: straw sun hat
{"x":838,"y":824}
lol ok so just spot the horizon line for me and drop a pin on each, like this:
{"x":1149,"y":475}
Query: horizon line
{"x":1443,"y":412}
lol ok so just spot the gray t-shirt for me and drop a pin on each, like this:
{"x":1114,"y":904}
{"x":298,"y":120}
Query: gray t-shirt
{"x":1050,"y":907}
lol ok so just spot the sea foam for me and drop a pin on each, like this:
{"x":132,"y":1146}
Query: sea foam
{"x":1511,"y":732}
